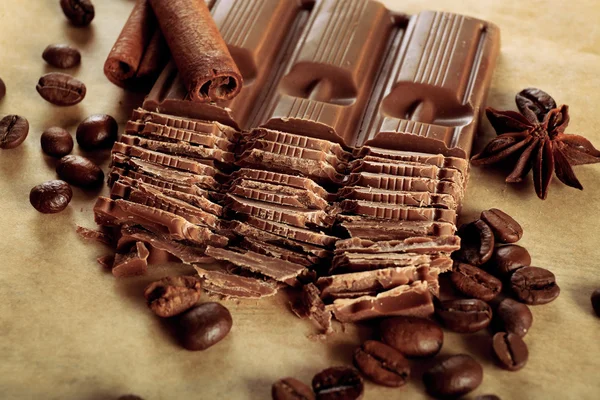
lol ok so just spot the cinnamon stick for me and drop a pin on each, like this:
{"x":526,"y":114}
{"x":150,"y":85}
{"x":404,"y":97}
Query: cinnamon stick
{"x":136,"y":53}
{"x":201,"y":54}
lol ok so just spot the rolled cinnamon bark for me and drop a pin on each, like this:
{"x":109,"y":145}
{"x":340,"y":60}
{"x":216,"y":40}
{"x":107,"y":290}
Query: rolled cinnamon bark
{"x":155,"y":58}
{"x":134,"y":45}
{"x":201,"y":54}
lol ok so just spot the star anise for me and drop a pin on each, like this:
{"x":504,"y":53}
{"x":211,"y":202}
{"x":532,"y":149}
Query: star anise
{"x":537,"y":137}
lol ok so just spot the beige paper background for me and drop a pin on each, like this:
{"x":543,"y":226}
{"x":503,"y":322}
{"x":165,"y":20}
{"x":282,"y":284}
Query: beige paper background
{"x":68,"y":330}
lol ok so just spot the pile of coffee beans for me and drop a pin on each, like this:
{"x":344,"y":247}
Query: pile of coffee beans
{"x":493,"y":282}
{"x":198,"y":326}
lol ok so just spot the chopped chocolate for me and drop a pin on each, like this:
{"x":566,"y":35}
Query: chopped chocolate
{"x":229,"y":285}
{"x":132,"y":263}
{"x":275,"y":251}
{"x":279,"y":270}
{"x":278,"y":194}
{"x":415,"y":199}
{"x":277,"y":178}
{"x":312,"y":307}
{"x":356,"y":262}
{"x":413,"y":300}
{"x":385,"y":155}
{"x":291,"y":232}
{"x":397,"y":212}
{"x":420,"y":244}
{"x":407,"y":169}
{"x":98,"y":236}
{"x":380,"y":229}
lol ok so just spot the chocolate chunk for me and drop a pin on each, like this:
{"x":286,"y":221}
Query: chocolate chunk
{"x":294,"y":233}
{"x":413,"y":300}
{"x":356,"y":262}
{"x":414,"y":199}
{"x":312,"y":307}
{"x":275,"y":251}
{"x":132,"y":263}
{"x":277,"y":194}
{"x":419,"y":244}
{"x":397,"y":212}
{"x":99,"y":236}
{"x":408,"y":169}
{"x":235,"y":286}
{"x":379,"y":229}
{"x":389,"y":156}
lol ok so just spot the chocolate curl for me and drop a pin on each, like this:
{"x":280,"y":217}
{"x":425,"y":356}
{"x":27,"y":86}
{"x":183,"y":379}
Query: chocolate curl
{"x":134,"y":46}
{"x":201,"y":54}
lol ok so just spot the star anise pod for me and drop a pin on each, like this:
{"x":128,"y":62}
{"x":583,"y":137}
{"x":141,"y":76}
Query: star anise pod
{"x":537,"y":137}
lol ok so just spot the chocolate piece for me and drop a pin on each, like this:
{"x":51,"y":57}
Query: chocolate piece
{"x":185,"y":252}
{"x":279,"y":270}
{"x":415,"y":199}
{"x":163,"y":173}
{"x":397,"y":212}
{"x":106,"y":261}
{"x":154,"y":198}
{"x":280,"y":179}
{"x":98,"y":236}
{"x":424,"y":245}
{"x":291,"y":232}
{"x":404,"y":184}
{"x":320,"y":171}
{"x":167,"y":133}
{"x":199,"y":200}
{"x":356,"y":262}
{"x":229,"y":285}
{"x":271,"y":250}
{"x":368,"y":283}
{"x":119,"y":212}
{"x":378,"y":229}
{"x":277,"y":194}
{"x":299,"y":141}
{"x":201,"y":54}
{"x":132,"y":263}
{"x":167,"y":160}
{"x":278,"y":213}
{"x":312,"y":307}
{"x":369,"y":153}
{"x":407,"y":169}
{"x":413,"y":300}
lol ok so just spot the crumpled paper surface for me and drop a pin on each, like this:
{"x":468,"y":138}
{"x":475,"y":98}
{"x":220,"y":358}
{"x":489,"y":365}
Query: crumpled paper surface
{"x":69,"y":330}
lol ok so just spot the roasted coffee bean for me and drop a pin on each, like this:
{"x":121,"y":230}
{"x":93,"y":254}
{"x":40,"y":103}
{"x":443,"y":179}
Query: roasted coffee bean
{"x":61,"y":89}
{"x":477,"y":243}
{"x":382,"y":364}
{"x":505,"y":228}
{"x":338,"y":383}
{"x":79,"y":171}
{"x":412,"y":336}
{"x":487,"y":397}
{"x":508,"y":258}
{"x":79,"y":12}
{"x":534,"y":104}
{"x":464,"y":315}
{"x":97,"y":131}
{"x":453,"y":376}
{"x":2,"y":89}
{"x":13,"y":131}
{"x":596,"y":301}
{"x":291,"y":389}
{"x":204,"y":326}
{"x":475,"y":282}
{"x":513,"y":317}
{"x":534,"y":285}
{"x":173,"y":295}
{"x":51,"y":197}
{"x":510,"y":350}
{"x":56,"y":142}
{"x":61,"y":56}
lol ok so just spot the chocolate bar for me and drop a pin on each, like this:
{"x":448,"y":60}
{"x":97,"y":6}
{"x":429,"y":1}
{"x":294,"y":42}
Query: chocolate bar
{"x":397,"y":212}
{"x":312,"y":307}
{"x":280,"y":179}
{"x":230,"y":285}
{"x":274,"y":251}
{"x":377,"y":229}
{"x":407,"y":169}
{"x":278,"y":194}
{"x":422,"y":244}
{"x":357,"y":262}
{"x":415,"y":199}
{"x":391,"y":156}
{"x":131,"y":263}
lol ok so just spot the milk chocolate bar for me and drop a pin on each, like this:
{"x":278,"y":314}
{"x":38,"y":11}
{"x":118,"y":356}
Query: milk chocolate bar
{"x":351,"y":73}
{"x":408,"y":169}
{"x":378,"y":229}
{"x":397,"y":212}
{"x":236,"y":286}
{"x":274,"y":251}
{"x":390,"y":156}
{"x":357,"y":262}
{"x":414,"y":300}
{"x":280,"y":179}
{"x":421,"y":244}
{"x":292,"y":232}
{"x":277,"y":194}
{"x":415,"y":199}
{"x":167,"y":133}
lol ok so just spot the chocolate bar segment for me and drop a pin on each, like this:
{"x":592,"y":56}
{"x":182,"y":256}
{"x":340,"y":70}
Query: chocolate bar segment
{"x":414,"y":299}
{"x":280,"y":179}
{"x":397,"y":212}
{"x":414,"y":199}
{"x":386,"y":155}
{"x":357,"y":262}
{"x":234,"y":286}
{"x":278,"y":194}
{"x":421,"y":244}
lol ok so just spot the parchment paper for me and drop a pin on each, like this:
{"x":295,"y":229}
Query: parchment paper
{"x":69,"y":330}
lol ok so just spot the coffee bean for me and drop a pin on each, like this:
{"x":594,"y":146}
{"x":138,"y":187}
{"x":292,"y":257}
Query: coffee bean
{"x":596,"y":301}
{"x":13,"y":131}
{"x":505,"y":228}
{"x":475,"y":282}
{"x":2,"y":89}
{"x":338,"y":383}
{"x":61,"y":89}
{"x":130,"y":397}
{"x":51,"y":197}
{"x":453,"y":376}
{"x":291,"y":389}
{"x":487,"y":397}
{"x":464,"y":315}
{"x":412,"y":336}
{"x":79,"y":171}
{"x":97,"y":132}
{"x":61,"y":56}
{"x":204,"y":326}
{"x":510,"y":350}
{"x":79,"y":12}
{"x":382,"y":364}
{"x":477,"y":243}
{"x":508,"y":258}
{"x":534,"y":285}
{"x":173,"y":295}
{"x":513,"y":317}
{"x":56,"y":142}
